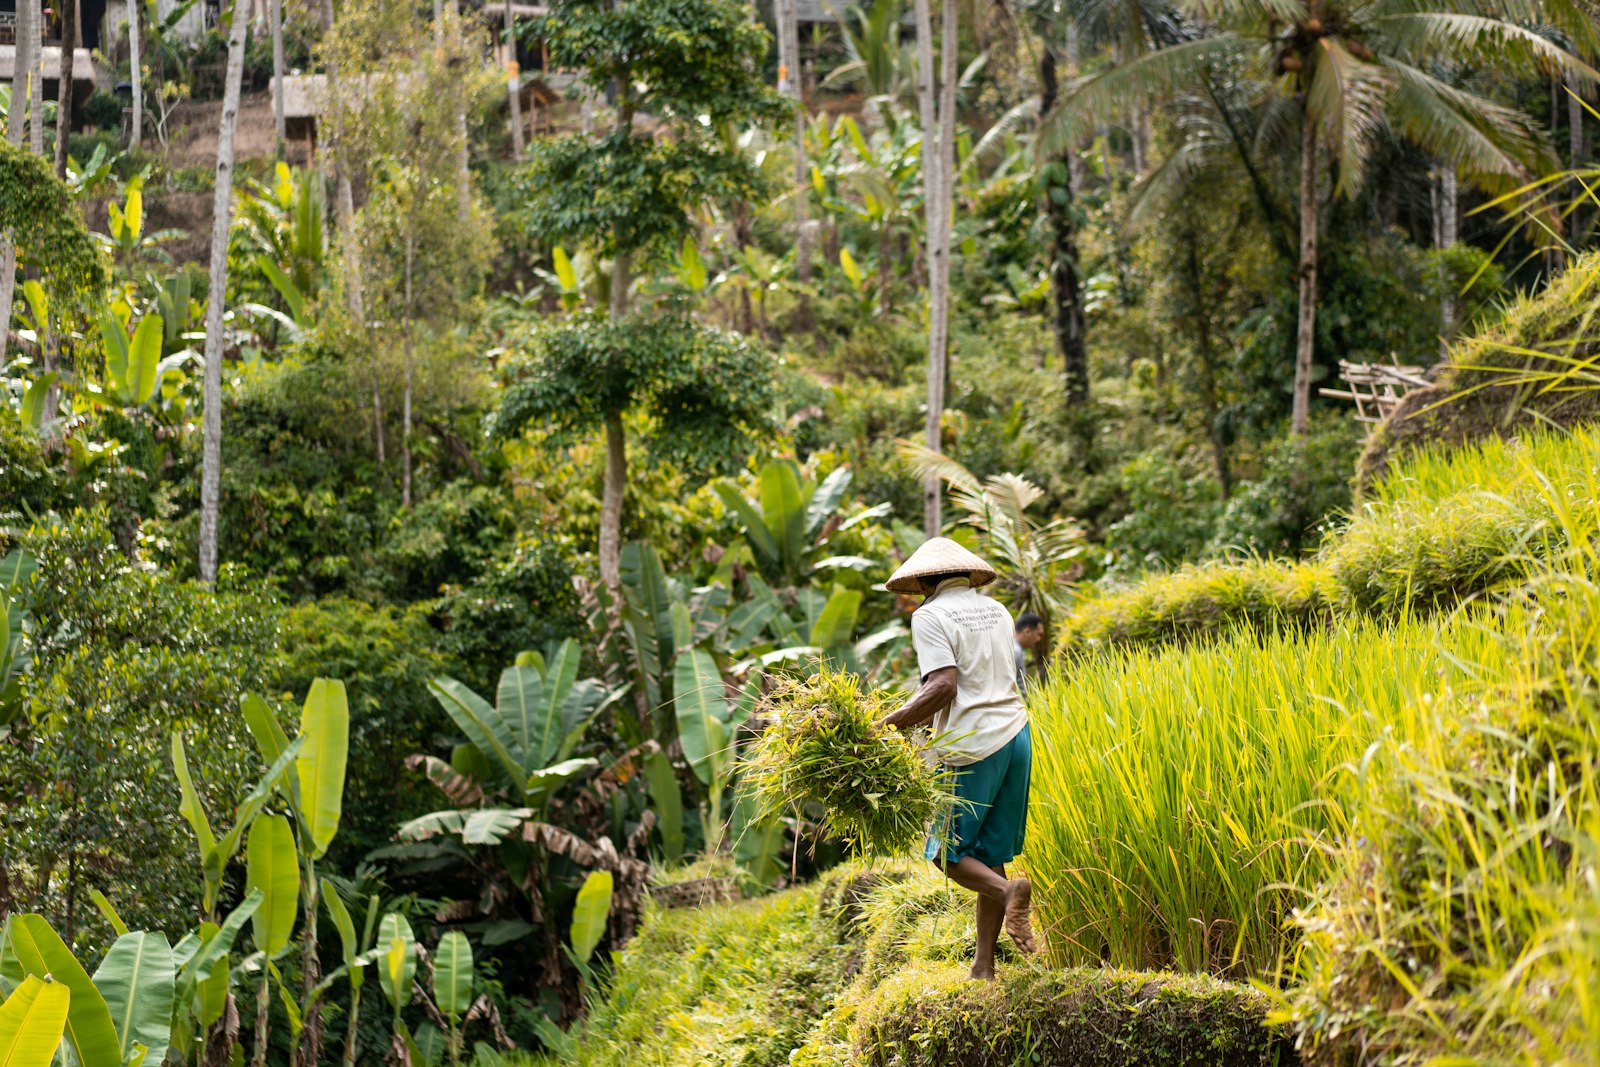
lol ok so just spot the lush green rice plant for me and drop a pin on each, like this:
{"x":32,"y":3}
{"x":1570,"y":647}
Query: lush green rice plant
{"x":1461,"y":918}
{"x":1181,"y":797}
{"x":1201,"y":600}
{"x":825,"y":744}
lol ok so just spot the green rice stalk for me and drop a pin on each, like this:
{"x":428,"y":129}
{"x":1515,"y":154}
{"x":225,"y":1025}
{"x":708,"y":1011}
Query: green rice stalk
{"x":826,"y":745}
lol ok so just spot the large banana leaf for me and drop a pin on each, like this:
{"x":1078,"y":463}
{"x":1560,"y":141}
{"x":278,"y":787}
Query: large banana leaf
{"x":825,"y":500}
{"x":211,"y":947}
{"x":33,"y":948}
{"x":702,"y":712}
{"x":136,"y":979}
{"x":837,"y":620}
{"x":350,"y":947}
{"x":273,"y":866}
{"x":756,"y":534}
{"x":784,"y":508}
{"x":590,"y":913}
{"x":654,"y":598}
{"x":211,"y":992}
{"x":481,"y":723}
{"x":144,"y":361}
{"x":667,"y":799}
{"x":31,"y":1020}
{"x":758,"y":847}
{"x":400,"y":959}
{"x":324,"y":750}
{"x":189,"y":805}
{"x":520,"y":704}
{"x":543,"y":783}
{"x":452,"y":974}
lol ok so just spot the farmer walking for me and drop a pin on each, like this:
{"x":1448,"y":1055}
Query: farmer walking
{"x":965,"y":644}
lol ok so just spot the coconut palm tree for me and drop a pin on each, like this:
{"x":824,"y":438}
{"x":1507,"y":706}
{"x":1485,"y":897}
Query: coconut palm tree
{"x":1337,"y":73}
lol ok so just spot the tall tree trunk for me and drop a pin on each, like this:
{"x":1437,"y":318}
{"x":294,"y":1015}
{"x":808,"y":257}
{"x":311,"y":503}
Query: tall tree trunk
{"x":791,"y":78}
{"x":309,"y":1053}
{"x":938,"y":125}
{"x":36,"y":97}
{"x":136,"y":69}
{"x":405,"y":403}
{"x":280,"y":122}
{"x":217,"y":296}
{"x":1446,"y":214}
{"x":1066,"y":287}
{"x":611,"y":502}
{"x":69,"y":51}
{"x":21,"y":85}
{"x":513,"y":86}
{"x":1306,"y":332}
{"x":1578,"y":147}
{"x":616,"y":442}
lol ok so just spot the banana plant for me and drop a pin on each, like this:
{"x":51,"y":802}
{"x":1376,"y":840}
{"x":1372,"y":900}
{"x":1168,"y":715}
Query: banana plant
{"x":122,"y":1017}
{"x":280,"y":232}
{"x":519,"y":749}
{"x":126,"y":223}
{"x":791,"y":523}
{"x":314,"y":795}
{"x":396,"y":976}
{"x":135,"y":368}
{"x":452,"y":985}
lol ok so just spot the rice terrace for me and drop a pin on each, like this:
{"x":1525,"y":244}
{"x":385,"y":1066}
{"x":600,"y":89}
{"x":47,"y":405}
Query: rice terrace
{"x":799,"y":533}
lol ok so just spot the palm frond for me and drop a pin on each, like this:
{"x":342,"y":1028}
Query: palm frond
{"x":1164,"y":184}
{"x":1487,"y":142}
{"x":1233,"y":12}
{"x":1345,"y":98}
{"x":1114,"y":91}
{"x":929,"y":463}
{"x":993,"y":142}
{"x":1430,"y":36}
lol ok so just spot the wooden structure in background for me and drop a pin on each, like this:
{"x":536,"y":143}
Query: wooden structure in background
{"x":1376,"y":387}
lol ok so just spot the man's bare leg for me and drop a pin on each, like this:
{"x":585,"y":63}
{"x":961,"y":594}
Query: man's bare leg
{"x":991,"y":913}
{"x":1013,"y":897}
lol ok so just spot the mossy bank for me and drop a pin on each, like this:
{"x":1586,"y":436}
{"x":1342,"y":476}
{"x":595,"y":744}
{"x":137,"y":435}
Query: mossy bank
{"x":868,"y":967}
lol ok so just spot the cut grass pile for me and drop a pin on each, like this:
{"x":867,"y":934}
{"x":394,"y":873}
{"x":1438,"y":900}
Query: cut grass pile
{"x":1180,"y":796}
{"x":825,"y":745}
{"x":1442,"y":528}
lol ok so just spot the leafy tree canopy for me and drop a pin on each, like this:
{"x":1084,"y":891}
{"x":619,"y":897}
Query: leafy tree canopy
{"x":709,"y":391}
{"x":692,"y":64}
{"x":37,"y":207}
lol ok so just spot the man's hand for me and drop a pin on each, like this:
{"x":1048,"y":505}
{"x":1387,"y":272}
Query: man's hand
{"x":938,"y":689}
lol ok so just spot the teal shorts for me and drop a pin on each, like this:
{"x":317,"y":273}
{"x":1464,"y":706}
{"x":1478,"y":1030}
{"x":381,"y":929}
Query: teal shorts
{"x":990,"y":817}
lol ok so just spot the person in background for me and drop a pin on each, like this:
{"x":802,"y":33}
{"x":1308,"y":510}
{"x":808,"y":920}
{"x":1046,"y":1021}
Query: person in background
{"x":1030,"y":631}
{"x":964,"y":643}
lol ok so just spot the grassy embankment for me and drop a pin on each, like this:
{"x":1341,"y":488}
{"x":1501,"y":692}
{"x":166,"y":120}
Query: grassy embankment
{"x":1389,"y":814}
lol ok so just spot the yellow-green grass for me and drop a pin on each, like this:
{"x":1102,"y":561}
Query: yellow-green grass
{"x":1460,"y":919}
{"x":1180,"y":797}
{"x":1444,"y":527}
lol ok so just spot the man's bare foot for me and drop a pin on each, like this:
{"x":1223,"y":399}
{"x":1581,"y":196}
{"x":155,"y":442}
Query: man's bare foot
{"x":1019,"y":895}
{"x":983,"y":974}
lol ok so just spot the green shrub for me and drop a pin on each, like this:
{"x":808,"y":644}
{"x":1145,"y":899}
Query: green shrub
{"x":28,"y":483}
{"x":385,"y":657}
{"x":1303,"y":488}
{"x":124,"y":656}
{"x":1179,"y":795}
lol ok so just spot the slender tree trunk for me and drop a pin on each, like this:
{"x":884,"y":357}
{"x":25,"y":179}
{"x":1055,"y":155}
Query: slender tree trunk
{"x":1066,"y":287}
{"x":222,"y":214}
{"x":69,"y":51}
{"x":280,"y":123}
{"x":36,"y":97}
{"x":1578,"y":147}
{"x":938,"y":126}
{"x":136,"y":69}
{"x":21,"y":85}
{"x":791,"y":78}
{"x":405,"y":403}
{"x":611,"y":502}
{"x":513,"y":86}
{"x":263,"y":1003}
{"x":1306,"y":332}
{"x":1446,"y":215}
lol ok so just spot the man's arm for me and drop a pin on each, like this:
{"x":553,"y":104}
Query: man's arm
{"x":938,"y":689}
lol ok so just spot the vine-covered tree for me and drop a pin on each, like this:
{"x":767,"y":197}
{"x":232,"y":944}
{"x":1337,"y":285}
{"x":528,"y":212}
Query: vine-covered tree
{"x":695,"y":67}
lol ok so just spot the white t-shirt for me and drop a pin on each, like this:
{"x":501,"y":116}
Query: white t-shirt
{"x":959,"y":627}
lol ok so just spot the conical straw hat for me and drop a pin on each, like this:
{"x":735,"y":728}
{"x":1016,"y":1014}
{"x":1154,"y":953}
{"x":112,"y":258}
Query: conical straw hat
{"x":938,"y":555}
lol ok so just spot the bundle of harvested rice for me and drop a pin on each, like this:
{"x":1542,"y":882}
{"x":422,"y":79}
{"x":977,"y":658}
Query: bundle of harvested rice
{"x":825,"y":744}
